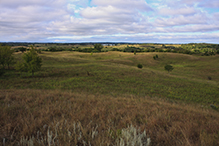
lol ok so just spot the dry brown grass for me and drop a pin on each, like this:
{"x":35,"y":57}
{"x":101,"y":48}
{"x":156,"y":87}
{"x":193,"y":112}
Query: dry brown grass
{"x":24,"y":112}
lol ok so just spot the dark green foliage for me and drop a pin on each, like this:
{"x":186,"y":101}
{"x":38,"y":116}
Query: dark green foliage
{"x":32,"y":62}
{"x":6,"y":57}
{"x":140,"y":65}
{"x":154,"y":57}
{"x":187,"y":52}
{"x":98,"y":47}
{"x":115,"y":49}
{"x":168,"y":67}
{"x":55,"y":49}
{"x":22,"y":49}
{"x":132,"y":49}
{"x":209,"y":53}
{"x":19,"y":66}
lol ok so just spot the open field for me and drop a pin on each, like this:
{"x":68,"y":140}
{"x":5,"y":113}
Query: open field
{"x":176,"y":108}
{"x":116,"y":73}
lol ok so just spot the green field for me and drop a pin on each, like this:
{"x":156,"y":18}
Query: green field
{"x":105,"y":93}
{"x":116,"y":73}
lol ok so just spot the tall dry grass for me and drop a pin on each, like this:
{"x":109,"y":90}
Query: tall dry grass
{"x":67,"y":118}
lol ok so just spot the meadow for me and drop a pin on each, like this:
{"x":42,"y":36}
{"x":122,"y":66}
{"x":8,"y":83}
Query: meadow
{"x":105,"y":93}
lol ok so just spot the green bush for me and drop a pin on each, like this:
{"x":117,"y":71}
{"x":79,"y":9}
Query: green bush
{"x":22,"y":49}
{"x":154,"y":57}
{"x":115,"y":49}
{"x":140,"y":65}
{"x":168,"y":67}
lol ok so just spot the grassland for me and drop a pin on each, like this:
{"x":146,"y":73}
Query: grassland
{"x":108,"y":89}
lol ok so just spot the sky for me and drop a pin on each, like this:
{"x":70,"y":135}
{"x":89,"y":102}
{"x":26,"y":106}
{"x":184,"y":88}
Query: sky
{"x":137,"y":21}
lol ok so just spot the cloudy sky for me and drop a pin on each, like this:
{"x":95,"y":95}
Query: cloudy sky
{"x":149,"y":21}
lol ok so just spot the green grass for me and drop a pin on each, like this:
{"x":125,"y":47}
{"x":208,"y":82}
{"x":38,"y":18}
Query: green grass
{"x":116,"y":73}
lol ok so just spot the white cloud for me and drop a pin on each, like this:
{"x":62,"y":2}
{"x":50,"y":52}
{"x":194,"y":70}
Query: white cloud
{"x":210,"y":4}
{"x":177,"y":11}
{"x":116,"y":20}
{"x":181,"y":20}
{"x":124,"y":4}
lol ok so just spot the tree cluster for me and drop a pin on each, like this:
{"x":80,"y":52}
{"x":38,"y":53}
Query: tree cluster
{"x":31,"y":62}
{"x":6,"y":56}
{"x":98,"y":47}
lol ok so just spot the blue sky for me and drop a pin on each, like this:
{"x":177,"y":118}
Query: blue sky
{"x":143,"y":21}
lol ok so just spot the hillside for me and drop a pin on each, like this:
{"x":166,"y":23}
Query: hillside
{"x":109,"y":90}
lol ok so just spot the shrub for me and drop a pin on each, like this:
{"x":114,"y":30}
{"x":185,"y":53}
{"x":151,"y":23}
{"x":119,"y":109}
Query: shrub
{"x":22,"y":49}
{"x":132,"y":136}
{"x":168,"y":67}
{"x":115,"y":49}
{"x":154,"y":57}
{"x":6,"y":56}
{"x":140,"y":65}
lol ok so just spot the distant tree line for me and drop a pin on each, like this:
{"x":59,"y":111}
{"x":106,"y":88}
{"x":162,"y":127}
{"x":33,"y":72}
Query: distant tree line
{"x":185,"y":49}
{"x":96,"y":48}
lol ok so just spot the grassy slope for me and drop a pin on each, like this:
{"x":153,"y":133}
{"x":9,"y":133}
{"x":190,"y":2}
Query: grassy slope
{"x":27,"y":112}
{"x":148,"y":98}
{"x":115,"y":73}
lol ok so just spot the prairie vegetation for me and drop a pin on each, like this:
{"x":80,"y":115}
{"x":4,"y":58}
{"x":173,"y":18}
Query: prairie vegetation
{"x":94,"y":98}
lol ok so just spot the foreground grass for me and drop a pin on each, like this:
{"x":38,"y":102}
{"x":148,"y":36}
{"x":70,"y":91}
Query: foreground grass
{"x":26,"y":113}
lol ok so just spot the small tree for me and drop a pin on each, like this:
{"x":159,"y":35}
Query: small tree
{"x":154,"y":57}
{"x":32,"y":62}
{"x":168,"y":67}
{"x":22,"y":49}
{"x":20,"y":67}
{"x":140,"y":66}
{"x":6,"y":57}
{"x":98,"y":47}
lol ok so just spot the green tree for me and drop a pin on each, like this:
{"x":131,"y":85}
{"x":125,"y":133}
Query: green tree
{"x":98,"y":47}
{"x":22,"y":49}
{"x":6,"y":56}
{"x":20,"y":67}
{"x":168,"y":67}
{"x":140,"y":65}
{"x":32,"y":62}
